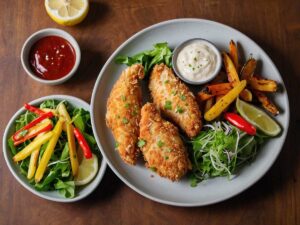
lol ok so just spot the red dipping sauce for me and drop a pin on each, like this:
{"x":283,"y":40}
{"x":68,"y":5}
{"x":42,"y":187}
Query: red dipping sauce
{"x":52,"y":57}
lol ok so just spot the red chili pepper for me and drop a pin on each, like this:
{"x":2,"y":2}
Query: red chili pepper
{"x":33,"y":109}
{"x":240,"y":123}
{"x":83,"y":144}
{"x":29,"y":136}
{"x":17,"y":136}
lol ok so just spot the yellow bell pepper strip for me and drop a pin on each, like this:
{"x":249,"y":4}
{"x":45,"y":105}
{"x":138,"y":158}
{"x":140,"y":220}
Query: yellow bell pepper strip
{"x":70,"y":135}
{"x":48,"y":152}
{"x":36,"y":143}
{"x":225,"y":101}
{"x":72,"y":149}
{"x":33,"y":163}
{"x":83,"y":144}
{"x":44,"y":126}
{"x":62,"y":111}
{"x":20,"y":133}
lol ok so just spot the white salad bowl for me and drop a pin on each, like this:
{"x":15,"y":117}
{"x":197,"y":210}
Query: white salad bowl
{"x":83,"y":191}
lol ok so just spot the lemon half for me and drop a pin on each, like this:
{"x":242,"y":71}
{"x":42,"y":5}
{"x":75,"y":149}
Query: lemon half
{"x":88,"y":169}
{"x":67,"y":12}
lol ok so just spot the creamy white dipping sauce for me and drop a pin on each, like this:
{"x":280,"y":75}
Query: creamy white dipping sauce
{"x":197,"y":61}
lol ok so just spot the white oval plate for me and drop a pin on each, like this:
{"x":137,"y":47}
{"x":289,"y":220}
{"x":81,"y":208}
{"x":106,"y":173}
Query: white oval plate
{"x":83,"y":191}
{"x":143,"y":180}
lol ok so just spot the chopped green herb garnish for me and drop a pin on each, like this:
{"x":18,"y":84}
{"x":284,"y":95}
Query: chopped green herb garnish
{"x":160,"y":143}
{"x":182,"y":97}
{"x":134,"y":112}
{"x":125,"y":120}
{"x":179,"y":109}
{"x":166,"y":157}
{"x":168,"y":105}
{"x":190,"y":65}
{"x":123,"y":97}
{"x":141,"y":143}
{"x":169,"y":150}
{"x":117,"y":145}
{"x":153,"y":169}
{"x":166,"y":81}
{"x":127,"y":105}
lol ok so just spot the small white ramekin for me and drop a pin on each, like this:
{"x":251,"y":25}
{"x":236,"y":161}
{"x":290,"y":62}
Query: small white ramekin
{"x":214,"y":49}
{"x":44,"y":33}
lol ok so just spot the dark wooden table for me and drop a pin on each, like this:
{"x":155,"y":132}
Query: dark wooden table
{"x":274,"y":25}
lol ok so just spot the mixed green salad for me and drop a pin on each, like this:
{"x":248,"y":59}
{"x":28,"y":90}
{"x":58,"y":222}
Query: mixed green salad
{"x":52,"y":144}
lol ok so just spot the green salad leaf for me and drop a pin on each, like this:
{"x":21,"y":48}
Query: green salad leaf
{"x":220,"y":150}
{"x":161,"y":53}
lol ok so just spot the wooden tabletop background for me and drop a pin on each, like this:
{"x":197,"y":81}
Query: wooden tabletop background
{"x":274,"y":25}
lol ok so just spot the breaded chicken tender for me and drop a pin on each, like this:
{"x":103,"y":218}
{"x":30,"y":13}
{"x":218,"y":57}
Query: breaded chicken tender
{"x":175,"y":100}
{"x":124,"y":112}
{"x":161,"y":145}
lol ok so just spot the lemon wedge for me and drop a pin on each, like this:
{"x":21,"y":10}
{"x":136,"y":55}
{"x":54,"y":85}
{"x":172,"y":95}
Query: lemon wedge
{"x":67,"y":12}
{"x":258,"y":118}
{"x":88,"y":169}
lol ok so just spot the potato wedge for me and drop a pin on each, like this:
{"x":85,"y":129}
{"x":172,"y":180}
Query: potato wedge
{"x":246,"y":95}
{"x":233,"y":52}
{"x":232,"y":74}
{"x":204,"y":95}
{"x":248,"y":69}
{"x":219,"y":89}
{"x":208,"y":104}
{"x":225,"y":101}
{"x":266,"y":103}
{"x":234,"y":78}
{"x":260,"y":84}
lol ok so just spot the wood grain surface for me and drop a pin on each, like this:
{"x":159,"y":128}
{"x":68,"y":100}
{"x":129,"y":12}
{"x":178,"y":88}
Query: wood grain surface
{"x":274,"y":25}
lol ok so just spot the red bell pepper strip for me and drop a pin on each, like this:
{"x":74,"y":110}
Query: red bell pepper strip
{"x":240,"y":123}
{"x":33,"y":109}
{"x":83,"y":144}
{"x":17,"y":136}
{"x":27,"y":137}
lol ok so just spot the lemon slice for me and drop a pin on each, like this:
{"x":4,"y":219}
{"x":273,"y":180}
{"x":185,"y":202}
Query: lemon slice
{"x":87,"y":171}
{"x":67,"y":12}
{"x":258,"y":118}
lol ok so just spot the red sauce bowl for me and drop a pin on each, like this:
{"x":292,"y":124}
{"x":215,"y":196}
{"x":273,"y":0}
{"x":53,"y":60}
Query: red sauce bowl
{"x":50,"y":56}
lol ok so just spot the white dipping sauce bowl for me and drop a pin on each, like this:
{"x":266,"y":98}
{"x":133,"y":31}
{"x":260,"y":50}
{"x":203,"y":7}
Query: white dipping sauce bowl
{"x":178,"y":49}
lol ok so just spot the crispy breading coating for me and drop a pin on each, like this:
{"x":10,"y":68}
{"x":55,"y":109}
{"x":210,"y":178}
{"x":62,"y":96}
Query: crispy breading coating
{"x":163,"y":149}
{"x":124,"y":112}
{"x":175,"y":100}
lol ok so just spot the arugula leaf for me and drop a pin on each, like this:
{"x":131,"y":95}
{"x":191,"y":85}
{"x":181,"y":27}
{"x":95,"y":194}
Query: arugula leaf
{"x":161,"y":53}
{"x":80,"y":118}
{"x":11,"y":146}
